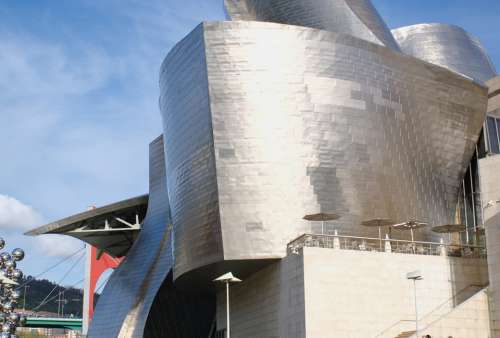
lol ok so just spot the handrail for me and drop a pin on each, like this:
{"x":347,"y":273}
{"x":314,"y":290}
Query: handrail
{"x":451,"y":310}
{"x":388,"y":240}
{"x":393,"y":326}
{"x":386,"y":245}
{"x":422,"y":319}
{"x":453,"y":298}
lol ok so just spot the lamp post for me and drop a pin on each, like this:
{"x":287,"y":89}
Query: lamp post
{"x":227,"y":278}
{"x":491,"y":203}
{"x":415,"y":276}
{"x":24,"y":297}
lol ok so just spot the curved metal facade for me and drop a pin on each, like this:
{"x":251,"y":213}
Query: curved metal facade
{"x":124,"y":305}
{"x":358,"y":18}
{"x":447,"y":46}
{"x":325,"y":122}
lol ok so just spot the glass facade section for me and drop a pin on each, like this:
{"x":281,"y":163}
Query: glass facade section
{"x":493,"y":126}
{"x":469,"y":207}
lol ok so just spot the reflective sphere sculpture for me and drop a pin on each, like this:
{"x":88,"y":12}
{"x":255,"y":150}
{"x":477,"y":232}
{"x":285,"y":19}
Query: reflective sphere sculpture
{"x":9,"y":296}
{"x":17,"y":274}
{"x":15,"y":294}
{"x":6,"y":328}
{"x":14,"y":317}
{"x":10,"y":264}
{"x":17,"y":254}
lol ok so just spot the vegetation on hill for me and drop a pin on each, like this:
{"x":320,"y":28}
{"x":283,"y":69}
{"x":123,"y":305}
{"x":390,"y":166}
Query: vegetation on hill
{"x":37,"y":291}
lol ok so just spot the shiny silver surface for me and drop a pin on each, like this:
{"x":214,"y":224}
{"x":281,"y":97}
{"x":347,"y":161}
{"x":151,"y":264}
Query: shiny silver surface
{"x":102,"y":226}
{"x":124,"y":305}
{"x":267,"y":123}
{"x":447,"y":46}
{"x":358,"y":18}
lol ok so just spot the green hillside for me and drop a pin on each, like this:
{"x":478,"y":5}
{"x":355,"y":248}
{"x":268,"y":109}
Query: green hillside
{"x":38,"y":290}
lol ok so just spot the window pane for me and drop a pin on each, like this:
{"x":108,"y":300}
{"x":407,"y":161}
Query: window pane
{"x":493,"y":135}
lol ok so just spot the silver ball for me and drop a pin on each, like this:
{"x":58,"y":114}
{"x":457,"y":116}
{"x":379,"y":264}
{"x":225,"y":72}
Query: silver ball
{"x":14,"y":317}
{"x":4,"y":256}
{"x":15,"y":294}
{"x":2,"y":243}
{"x":8,"y":306}
{"x":9,"y":286}
{"x":17,"y":254}
{"x":6,"y":328}
{"x":17,"y":274}
{"x":10,"y":265}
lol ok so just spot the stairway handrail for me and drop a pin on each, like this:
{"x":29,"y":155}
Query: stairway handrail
{"x":481,"y":287}
{"x":451,"y":310}
{"x":478,"y":286}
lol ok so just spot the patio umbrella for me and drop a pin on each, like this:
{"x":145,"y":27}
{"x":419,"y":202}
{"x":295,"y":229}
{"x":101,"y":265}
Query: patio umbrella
{"x":410,"y":225}
{"x":322,"y":217}
{"x":379,"y":223}
{"x":449,"y":229}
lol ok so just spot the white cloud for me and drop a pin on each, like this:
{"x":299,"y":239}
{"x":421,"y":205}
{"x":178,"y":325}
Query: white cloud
{"x":58,"y":245}
{"x":15,"y":215}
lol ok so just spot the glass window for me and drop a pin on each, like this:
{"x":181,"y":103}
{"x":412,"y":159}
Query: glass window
{"x":493,"y":135}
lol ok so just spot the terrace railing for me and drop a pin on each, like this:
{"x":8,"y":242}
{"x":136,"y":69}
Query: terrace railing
{"x":369,"y":244}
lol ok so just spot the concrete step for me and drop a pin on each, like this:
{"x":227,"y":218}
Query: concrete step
{"x":406,"y":334}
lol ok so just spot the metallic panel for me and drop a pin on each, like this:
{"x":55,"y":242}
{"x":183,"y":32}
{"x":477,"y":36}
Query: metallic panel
{"x":358,"y":18}
{"x":190,"y":159}
{"x":447,"y":46}
{"x":324,"y":122}
{"x":123,"y":308}
{"x":118,"y":209}
{"x":116,"y":240}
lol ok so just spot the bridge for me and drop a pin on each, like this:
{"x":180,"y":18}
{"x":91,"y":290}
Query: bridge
{"x":109,"y":231}
{"x":54,"y":323}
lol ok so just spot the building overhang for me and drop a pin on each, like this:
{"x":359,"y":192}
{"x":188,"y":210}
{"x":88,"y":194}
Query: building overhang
{"x":112,"y":228}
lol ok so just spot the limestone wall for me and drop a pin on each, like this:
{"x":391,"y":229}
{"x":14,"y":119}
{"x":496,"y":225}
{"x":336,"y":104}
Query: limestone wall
{"x":470,"y":319}
{"x":270,"y":303}
{"x":323,"y":293}
{"x":489,"y":169}
{"x":352,"y":294}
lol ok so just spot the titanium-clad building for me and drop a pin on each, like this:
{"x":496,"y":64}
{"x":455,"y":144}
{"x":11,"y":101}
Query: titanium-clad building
{"x":448,"y":46}
{"x":354,"y":17}
{"x":298,"y":108}
{"x":268,"y":123}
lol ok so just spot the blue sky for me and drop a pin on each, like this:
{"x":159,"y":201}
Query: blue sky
{"x":78,"y":98}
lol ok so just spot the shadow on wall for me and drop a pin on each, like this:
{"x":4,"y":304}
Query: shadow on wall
{"x":176,"y":314}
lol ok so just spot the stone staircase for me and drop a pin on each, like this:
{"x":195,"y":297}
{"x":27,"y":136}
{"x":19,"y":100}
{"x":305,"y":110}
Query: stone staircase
{"x":406,"y":334}
{"x":403,"y":328}
{"x":451,"y":323}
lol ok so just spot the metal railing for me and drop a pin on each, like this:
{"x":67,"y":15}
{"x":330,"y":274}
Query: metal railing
{"x":386,"y":245}
{"x":434,"y":315}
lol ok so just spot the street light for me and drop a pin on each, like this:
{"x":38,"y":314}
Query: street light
{"x":227,"y":279}
{"x":491,"y":204}
{"x":415,"y":276}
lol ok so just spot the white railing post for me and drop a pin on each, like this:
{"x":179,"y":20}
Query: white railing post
{"x":442,"y":248}
{"x":336,"y":240}
{"x":388,"y":247}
